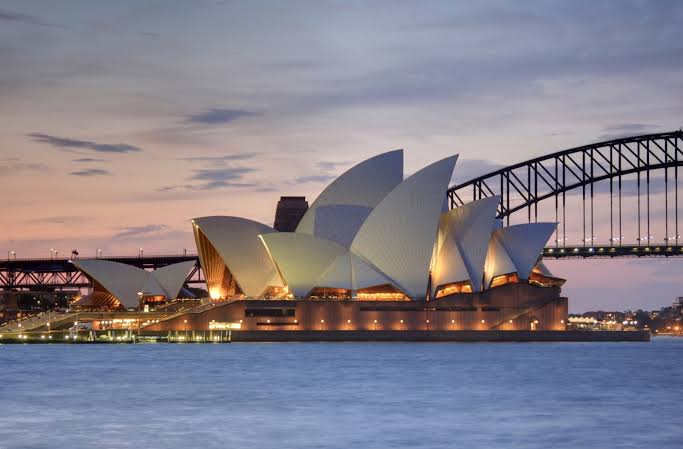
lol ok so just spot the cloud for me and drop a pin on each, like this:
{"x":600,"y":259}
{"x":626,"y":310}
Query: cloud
{"x":313,"y":179}
{"x":59,"y":219}
{"x":88,"y":159}
{"x":213,"y":185}
{"x":135,"y":231}
{"x":13,"y":165}
{"x":629,"y":185}
{"x":67,"y":143}
{"x":466,"y":169}
{"x":221,"y":174}
{"x":219,"y":116}
{"x":331,"y":165}
{"x":219,"y":159}
{"x":216,"y":178}
{"x":619,"y":131}
{"x":11,"y":16}
{"x":90,"y":172}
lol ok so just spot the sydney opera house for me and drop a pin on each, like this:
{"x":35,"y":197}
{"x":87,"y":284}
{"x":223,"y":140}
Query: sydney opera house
{"x":374,"y":251}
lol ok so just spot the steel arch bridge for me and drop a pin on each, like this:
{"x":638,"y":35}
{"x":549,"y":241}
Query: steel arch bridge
{"x":523,"y":186}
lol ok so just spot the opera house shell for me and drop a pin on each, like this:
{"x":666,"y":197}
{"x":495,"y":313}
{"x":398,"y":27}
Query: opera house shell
{"x":118,"y":286}
{"x":373,"y":237}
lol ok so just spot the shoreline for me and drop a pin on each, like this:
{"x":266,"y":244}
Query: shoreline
{"x":237,"y":336}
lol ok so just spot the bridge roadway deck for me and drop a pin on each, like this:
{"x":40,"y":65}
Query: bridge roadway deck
{"x":59,"y":273}
{"x":598,"y":251}
{"x":47,"y":265}
{"x":63,"y":264}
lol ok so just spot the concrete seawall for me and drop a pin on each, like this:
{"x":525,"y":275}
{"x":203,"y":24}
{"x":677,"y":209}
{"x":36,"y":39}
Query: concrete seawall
{"x":328,"y":336}
{"x":440,"y":336}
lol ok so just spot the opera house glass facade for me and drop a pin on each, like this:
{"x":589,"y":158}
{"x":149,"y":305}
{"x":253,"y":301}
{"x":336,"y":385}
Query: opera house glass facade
{"x":376,"y":251}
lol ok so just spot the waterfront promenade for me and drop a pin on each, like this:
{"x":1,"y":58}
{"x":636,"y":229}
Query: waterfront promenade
{"x":125,"y":336}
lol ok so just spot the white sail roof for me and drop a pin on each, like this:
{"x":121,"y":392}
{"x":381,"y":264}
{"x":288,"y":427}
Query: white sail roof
{"x":121,"y":280}
{"x":172,"y":277}
{"x":450,"y":267}
{"x":524,"y":244}
{"x":125,"y":281}
{"x":340,"y":222}
{"x":350,"y":272}
{"x":363,"y":186}
{"x":301,"y":258}
{"x":498,"y":262}
{"x":398,"y":236}
{"x":151,"y":287}
{"x":338,"y":273}
{"x":467,"y":230}
{"x":365,"y":275}
{"x":236,"y":241}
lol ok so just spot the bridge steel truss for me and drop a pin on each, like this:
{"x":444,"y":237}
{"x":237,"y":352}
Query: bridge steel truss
{"x":522,"y":186}
{"x":60,"y":274}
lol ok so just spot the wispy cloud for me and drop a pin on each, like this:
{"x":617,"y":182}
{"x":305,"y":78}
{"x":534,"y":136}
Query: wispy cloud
{"x":136,"y":231}
{"x":88,"y":159}
{"x":466,"y":169}
{"x":59,"y":219}
{"x":220,"y":159}
{"x":331,"y":165}
{"x":68,"y":143}
{"x":13,"y":165}
{"x":619,"y":131}
{"x":221,"y":174}
{"x":216,"y":178}
{"x":313,"y":179}
{"x":87,"y":172}
{"x":11,"y":16}
{"x":219,"y":116}
{"x":320,"y":178}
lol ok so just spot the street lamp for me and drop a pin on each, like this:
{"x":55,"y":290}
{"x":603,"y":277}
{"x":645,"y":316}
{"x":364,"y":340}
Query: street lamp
{"x":140,"y":296}
{"x":141,"y":252}
{"x":52,"y":251}
{"x":99,"y":253}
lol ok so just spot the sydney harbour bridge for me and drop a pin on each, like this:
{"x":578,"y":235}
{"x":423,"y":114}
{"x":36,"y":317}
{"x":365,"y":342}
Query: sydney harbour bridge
{"x":612,"y":199}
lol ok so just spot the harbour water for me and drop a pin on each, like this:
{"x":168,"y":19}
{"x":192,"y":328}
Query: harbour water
{"x":342,"y":395}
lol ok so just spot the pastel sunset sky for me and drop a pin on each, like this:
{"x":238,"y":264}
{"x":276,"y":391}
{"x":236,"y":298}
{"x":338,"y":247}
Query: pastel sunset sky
{"x":120,"y":121}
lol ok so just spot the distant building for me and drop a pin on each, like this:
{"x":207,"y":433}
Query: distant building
{"x":603,"y":316}
{"x":290,"y":210}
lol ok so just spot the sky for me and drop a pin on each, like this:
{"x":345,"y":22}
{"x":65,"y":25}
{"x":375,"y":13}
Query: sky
{"x":120,"y":121}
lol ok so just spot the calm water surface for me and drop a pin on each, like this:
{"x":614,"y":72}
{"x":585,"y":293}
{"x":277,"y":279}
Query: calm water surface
{"x":328,"y":395}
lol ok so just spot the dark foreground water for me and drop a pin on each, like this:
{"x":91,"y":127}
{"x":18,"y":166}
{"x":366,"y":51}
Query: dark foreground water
{"x":327,"y":395}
